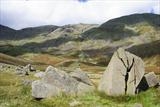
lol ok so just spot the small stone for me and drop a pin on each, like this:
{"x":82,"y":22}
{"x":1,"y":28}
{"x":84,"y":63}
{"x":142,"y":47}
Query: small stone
{"x":75,"y":103}
{"x":137,"y":105}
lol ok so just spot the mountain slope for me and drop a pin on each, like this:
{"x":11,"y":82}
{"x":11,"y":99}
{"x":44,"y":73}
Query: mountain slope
{"x":90,"y":42}
{"x":146,"y":25}
{"x":7,"y":33}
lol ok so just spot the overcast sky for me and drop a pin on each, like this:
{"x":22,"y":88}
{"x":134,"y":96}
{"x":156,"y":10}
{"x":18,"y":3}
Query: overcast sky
{"x":25,"y":13}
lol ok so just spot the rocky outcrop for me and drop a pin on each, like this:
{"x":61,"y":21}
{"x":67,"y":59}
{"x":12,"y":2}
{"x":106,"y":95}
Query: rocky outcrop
{"x":123,"y":74}
{"x":56,"y":81}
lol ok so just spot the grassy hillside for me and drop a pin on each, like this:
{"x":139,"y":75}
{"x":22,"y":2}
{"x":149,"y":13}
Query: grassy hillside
{"x":126,"y":26}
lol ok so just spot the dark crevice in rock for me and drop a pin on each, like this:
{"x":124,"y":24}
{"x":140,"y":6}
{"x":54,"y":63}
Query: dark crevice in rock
{"x":142,"y":86}
{"x":128,"y":69}
{"x":38,"y":99}
{"x":80,"y":80}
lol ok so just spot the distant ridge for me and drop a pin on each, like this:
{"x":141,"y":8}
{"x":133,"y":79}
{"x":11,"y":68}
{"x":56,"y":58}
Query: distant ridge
{"x":11,"y":34}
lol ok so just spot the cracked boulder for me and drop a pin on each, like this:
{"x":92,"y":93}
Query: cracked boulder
{"x":55,"y":82}
{"x":123,"y":74}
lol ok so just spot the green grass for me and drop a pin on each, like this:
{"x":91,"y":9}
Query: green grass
{"x":14,"y":94}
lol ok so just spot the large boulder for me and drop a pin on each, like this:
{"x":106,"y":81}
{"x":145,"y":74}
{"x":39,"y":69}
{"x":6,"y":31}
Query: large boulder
{"x":56,"y":81}
{"x":41,"y":89}
{"x":60,"y":79}
{"x":123,"y":74}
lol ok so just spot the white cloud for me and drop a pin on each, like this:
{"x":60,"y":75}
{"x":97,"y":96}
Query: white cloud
{"x":24,"y":13}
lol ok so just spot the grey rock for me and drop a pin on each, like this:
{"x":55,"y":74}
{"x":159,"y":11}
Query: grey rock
{"x":7,"y":67}
{"x":81,"y":76}
{"x":39,"y":74}
{"x":75,"y":103}
{"x":41,"y":89}
{"x":152,"y":79}
{"x":137,"y":105}
{"x":60,"y":79}
{"x":123,"y":74}
{"x":83,"y":88}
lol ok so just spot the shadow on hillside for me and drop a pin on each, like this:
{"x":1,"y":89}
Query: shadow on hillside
{"x":48,"y":43}
{"x":143,"y":50}
{"x":33,"y":47}
{"x":146,"y":50}
{"x":113,"y":33}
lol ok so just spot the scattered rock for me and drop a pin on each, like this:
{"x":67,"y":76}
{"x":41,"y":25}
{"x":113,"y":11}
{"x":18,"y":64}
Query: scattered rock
{"x":74,"y":103}
{"x":137,"y":105}
{"x":152,"y":79}
{"x":39,"y":74}
{"x":81,"y":76}
{"x":20,"y":71}
{"x":24,"y":70}
{"x":7,"y":67}
{"x":56,"y":81}
{"x":123,"y":74}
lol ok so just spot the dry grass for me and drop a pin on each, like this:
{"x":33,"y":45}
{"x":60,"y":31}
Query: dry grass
{"x":12,"y":60}
{"x":92,"y":68}
{"x":155,"y":69}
